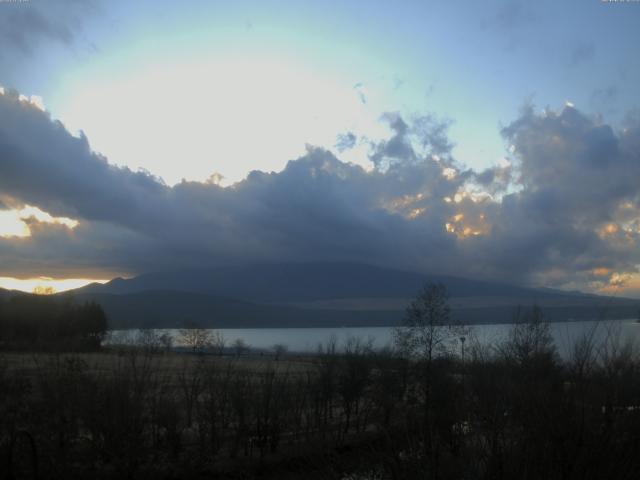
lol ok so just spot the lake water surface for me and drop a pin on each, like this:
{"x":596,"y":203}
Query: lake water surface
{"x":306,"y":340}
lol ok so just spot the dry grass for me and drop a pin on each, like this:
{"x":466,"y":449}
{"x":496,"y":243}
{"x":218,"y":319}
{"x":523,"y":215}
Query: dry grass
{"x":169,"y":363}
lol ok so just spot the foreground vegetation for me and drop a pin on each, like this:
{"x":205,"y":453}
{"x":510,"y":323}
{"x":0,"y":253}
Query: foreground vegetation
{"x":513,"y":411}
{"x":426,"y":409}
{"x":44,"y":322}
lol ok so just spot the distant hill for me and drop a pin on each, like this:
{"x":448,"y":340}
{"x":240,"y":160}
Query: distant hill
{"x":305,"y":282}
{"x":173,"y":309}
{"x":321,"y":294}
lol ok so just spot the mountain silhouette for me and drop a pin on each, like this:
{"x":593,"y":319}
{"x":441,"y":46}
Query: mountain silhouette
{"x":321,"y":294}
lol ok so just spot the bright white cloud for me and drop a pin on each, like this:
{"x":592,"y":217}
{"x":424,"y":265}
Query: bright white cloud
{"x":11,"y":225}
{"x":15,"y":223}
{"x":229,"y":116}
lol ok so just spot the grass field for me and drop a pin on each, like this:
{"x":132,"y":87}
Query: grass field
{"x":514,"y":411}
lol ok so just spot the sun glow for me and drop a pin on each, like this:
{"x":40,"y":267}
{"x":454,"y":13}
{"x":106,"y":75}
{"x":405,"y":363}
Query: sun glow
{"x":601,"y":272}
{"x":609,"y":229}
{"x":15,"y":223}
{"x":33,"y":100}
{"x":407,"y":205}
{"x":463,"y":227}
{"x":11,"y":225}
{"x":623,"y":284}
{"x":449,"y":173}
{"x":45,"y":285}
{"x":238,"y":114}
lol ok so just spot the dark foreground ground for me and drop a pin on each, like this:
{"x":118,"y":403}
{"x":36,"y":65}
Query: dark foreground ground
{"x":509,"y":411}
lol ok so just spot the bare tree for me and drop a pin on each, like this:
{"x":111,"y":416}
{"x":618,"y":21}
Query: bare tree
{"x":240,"y":346}
{"x":280,"y":350}
{"x":427,"y":331}
{"x":530,"y":337}
{"x":152,"y":341}
{"x":195,"y":338}
{"x":428,"y":328}
{"x":218,"y":342}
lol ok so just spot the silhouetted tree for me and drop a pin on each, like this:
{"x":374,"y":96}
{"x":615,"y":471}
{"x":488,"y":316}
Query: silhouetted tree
{"x":240,"y":347}
{"x":34,"y":321}
{"x":428,"y":331}
{"x":279,"y":350}
{"x":196,"y":338}
{"x":530,"y":337}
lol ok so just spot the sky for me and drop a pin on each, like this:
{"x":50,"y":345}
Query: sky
{"x":493,"y":140}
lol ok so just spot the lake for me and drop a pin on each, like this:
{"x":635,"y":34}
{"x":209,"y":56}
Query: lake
{"x":306,"y":340}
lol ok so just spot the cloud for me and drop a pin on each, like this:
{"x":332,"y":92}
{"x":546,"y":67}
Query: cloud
{"x":563,"y":206}
{"x":26,"y":25}
{"x":316,"y":208}
{"x":359,"y":88}
{"x":579,"y":168}
{"x":577,"y":178}
{"x":23,"y":27}
{"x":346,"y":141}
{"x":60,"y":171}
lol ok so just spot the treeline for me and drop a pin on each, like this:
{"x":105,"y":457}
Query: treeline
{"x":36,"y":322}
{"x":509,"y":410}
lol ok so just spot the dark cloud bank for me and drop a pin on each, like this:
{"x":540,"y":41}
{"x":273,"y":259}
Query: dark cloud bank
{"x":564,"y":213}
